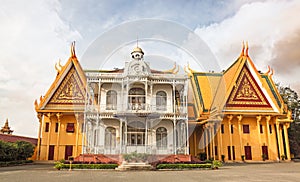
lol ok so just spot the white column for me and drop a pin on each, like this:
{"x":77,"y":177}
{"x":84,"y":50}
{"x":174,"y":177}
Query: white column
{"x":146,"y":135}
{"x":187,"y":138}
{"x":121,"y":136}
{"x":174,"y":136}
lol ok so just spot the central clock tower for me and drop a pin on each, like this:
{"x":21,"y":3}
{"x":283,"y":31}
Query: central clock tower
{"x":137,"y":66}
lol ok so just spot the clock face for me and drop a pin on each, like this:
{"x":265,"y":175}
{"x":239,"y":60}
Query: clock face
{"x":136,"y":68}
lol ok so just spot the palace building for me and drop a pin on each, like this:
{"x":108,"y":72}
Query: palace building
{"x":234,"y":115}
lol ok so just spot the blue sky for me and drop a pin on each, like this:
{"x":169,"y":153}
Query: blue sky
{"x":35,"y":34}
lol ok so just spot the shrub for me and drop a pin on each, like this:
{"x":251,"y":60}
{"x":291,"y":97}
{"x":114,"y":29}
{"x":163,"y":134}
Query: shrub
{"x":19,"y":150}
{"x":134,"y":156}
{"x":59,"y":166}
{"x":217,"y":164}
{"x":182,"y":166}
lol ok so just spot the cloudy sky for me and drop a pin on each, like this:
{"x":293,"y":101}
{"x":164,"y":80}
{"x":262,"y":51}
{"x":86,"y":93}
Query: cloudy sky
{"x":35,"y":34}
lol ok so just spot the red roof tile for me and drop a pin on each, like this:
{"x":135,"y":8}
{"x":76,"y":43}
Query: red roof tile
{"x":14,"y":138}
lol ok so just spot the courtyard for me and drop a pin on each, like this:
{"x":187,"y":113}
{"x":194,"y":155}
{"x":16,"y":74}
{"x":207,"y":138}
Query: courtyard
{"x":289,"y":171}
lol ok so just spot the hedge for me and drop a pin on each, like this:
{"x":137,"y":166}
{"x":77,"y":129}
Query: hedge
{"x":12,"y":163}
{"x":182,"y":166}
{"x":85,"y":166}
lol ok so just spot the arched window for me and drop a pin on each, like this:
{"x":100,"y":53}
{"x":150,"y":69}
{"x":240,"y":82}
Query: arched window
{"x":110,"y":138}
{"x":161,"y":138}
{"x":161,"y":101}
{"x":136,"y":99}
{"x":111,"y":100}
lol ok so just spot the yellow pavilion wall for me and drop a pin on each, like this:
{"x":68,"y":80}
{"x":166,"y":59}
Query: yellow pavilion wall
{"x":255,"y":139}
{"x":65,"y":138}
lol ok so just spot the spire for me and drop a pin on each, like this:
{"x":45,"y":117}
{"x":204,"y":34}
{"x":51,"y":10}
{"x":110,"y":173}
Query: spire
{"x":73,"y":55}
{"x":6,"y":129}
{"x":243,"y":48}
{"x":269,"y":69}
{"x":246,"y":51}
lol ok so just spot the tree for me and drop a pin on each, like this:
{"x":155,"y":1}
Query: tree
{"x":19,"y":150}
{"x":290,"y":97}
{"x":25,"y":150}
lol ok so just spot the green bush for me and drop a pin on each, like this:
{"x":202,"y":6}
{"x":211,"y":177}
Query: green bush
{"x":135,"y":157}
{"x":11,"y":163}
{"x":19,"y":150}
{"x":182,"y":166}
{"x":59,"y":166}
{"x":217,"y":164}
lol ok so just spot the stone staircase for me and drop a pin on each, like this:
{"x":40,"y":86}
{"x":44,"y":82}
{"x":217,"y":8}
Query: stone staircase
{"x":125,"y":166}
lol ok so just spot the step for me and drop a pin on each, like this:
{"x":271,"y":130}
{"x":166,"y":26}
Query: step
{"x":134,"y":166}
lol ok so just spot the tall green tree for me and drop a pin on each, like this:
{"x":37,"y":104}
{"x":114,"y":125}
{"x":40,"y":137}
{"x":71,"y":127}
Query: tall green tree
{"x":291,"y":99}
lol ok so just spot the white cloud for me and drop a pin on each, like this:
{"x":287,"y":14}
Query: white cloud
{"x":32,"y":39}
{"x":264,"y":25}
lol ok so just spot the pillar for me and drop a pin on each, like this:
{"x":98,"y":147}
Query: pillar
{"x":121,"y":135}
{"x":268,"y":118}
{"x":278,"y":139}
{"x":212,"y":129}
{"x":38,"y":152}
{"x":230,"y":135}
{"x":240,"y":117}
{"x":220,"y":144}
{"x":77,"y":133}
{"x":49,"y":132}
{"x":58,"y":117}
{"x":258,"y":119}
{"x":206,"y":142}
{"x":174,"y":136}
{"x":287,"y":146}
{"x":187,"y":146}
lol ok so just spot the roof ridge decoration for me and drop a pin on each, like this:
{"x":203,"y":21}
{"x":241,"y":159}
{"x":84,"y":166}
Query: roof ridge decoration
{"x":58,"y":67}
{"x":73,"y":54}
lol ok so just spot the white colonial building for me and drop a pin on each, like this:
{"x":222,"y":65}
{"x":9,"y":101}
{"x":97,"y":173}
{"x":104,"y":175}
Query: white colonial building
{"x":136,"y":109}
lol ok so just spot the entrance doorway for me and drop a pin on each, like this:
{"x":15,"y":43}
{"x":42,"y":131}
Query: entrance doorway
{"x":51,"y":152}
{"x":68,"y":151}
{"x":265,"y":152}
{"x":248,"y":154}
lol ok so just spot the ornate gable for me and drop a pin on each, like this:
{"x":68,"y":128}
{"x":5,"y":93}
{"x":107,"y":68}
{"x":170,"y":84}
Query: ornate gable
{"x":70,"y":91}
{"x":247,"y":93}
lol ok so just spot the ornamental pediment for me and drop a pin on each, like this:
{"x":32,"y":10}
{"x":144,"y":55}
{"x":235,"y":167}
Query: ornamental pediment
{"x":70,"y":91}
{"x":247,"y":93}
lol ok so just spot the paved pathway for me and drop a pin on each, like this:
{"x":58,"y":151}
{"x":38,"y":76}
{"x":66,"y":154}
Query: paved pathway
{"x":239,"y":172}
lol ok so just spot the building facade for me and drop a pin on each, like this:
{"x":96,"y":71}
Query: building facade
{"x":237,"y":114}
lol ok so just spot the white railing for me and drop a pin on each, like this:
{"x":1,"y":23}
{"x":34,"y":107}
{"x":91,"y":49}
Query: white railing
{"x":136,"y":107}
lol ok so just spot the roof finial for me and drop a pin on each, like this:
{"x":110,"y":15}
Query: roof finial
{"x":243,"y":47}
{"x":269,"y":69}
{"x":137,"y":41}
{"x":73,"y":55}
{"x":246,"y":52}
